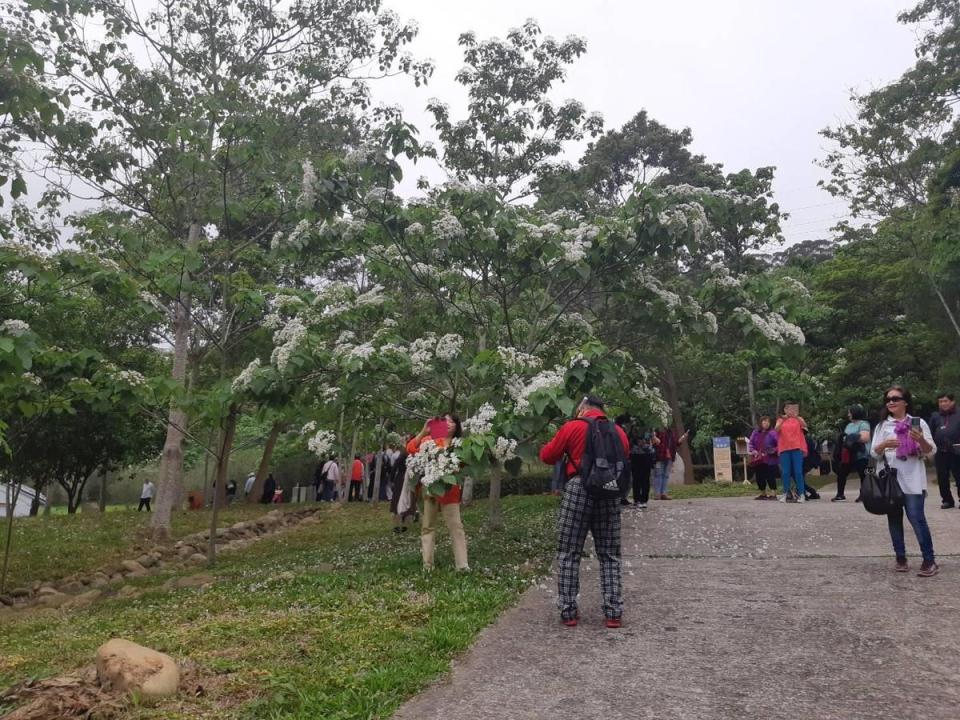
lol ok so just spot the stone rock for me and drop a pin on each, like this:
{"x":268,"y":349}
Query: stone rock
{"x":132,"y":566}
{"x":128,"y":667}
{"x":147,"y":560}
{"x":73,"y":587}
{"x":197,"y":559}
{"x":193,"y":581}
{"x":47,"y":590}
{"x":84,"y":599}
{"x":116,"y":577}
{"x":20,"y":592}
{"x":6,"y":600}
{"x":324,"y":567}
{"x":128,"y":591}
{"x":99,"y":580}
{"x":186,"y":551}
{"x":52,"y":601}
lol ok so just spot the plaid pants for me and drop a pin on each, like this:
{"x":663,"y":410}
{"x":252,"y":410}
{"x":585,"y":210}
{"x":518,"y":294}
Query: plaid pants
{"x":580,"y":512}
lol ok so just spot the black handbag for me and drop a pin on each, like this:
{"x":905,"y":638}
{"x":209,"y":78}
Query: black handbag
{"x":880,"y":491}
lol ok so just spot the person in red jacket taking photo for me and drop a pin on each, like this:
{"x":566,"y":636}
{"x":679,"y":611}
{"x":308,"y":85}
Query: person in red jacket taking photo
{"x":582,"y":510}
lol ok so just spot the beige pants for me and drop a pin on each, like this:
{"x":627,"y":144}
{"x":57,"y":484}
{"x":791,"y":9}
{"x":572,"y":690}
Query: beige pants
{"x":428,"y":531}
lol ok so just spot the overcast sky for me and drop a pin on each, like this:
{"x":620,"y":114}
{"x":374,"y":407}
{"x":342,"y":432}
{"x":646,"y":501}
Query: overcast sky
{"x":754,"y":79}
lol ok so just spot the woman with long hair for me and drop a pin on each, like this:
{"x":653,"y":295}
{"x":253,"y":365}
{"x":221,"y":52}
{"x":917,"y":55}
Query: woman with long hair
{"x":902,"y":441}
{"x":447,"y":505}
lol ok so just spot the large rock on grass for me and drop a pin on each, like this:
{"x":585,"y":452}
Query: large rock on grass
{"x":125,"y":666}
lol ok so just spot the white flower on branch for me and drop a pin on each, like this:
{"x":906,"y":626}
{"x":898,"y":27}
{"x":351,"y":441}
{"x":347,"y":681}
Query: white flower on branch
{"x":322,"y":443}
{"x":505,"y":449}
{"x":241,"y":381}
{"x":482,"y":422}
{"x":29,"y":377}
{"x":447,"y":227}
{"x":286,"y":340}
{"x":773,"y":327}
{"x":449,"y":347}
{"x":15,"y":327}
{"x":433,"y":463}
{"x":308,"y":188}
{"x":544,"y":380}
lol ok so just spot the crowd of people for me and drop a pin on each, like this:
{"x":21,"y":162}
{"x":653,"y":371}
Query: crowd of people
{"x":777,"y":446}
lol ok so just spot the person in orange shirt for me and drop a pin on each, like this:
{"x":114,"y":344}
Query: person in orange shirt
{"x":447,"y":504}
{"x":792,"y":446}
{"x":356,"y":480}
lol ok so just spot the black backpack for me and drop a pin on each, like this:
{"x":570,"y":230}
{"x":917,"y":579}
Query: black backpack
{"x":604,"y":470}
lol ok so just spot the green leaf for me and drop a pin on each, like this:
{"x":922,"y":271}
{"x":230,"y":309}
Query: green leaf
{"x":6,"y":344}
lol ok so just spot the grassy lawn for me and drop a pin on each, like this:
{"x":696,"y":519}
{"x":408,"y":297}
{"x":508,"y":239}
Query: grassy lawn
{"x":49,"y":548}
{"x":333,"y":620}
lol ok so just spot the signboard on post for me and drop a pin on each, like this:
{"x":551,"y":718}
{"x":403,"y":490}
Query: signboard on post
{"x":722,"y":461}
{"x":743,"y":450}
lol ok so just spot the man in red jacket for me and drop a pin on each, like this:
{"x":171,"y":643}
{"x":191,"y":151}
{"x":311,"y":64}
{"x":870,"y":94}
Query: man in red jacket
{"x":580,"y":512}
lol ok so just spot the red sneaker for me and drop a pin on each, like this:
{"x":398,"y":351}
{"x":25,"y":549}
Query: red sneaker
{"x":614,"y":623}
{"x":570,"y":622}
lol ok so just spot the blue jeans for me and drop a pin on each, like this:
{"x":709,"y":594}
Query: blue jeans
{"x":913,"y":504}
{"x":661,"y":475}
{"x":791,"y":466}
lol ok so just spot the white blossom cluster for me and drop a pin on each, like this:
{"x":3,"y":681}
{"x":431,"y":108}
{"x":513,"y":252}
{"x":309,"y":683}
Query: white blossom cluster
{"x":286,"y":341}
{"x":272,"y":321}
{"x":544,"y":380}
{"x":449,"y":347}
{"x":322,"y":443}
{"x":659,"y":407}
{"x":513,"y":358}
{"x":308,"y":188}
{"x":327,"y":393}
{"x":711,"y":322}
{"x":297,"y":238}
{"x":242,"y":380}
{"x":670,"y":299}
{"x":415,"y":229}
{"x":722,"y":278}
{"x":795,"y":286}
{"x":505,"y":449}
{"x":153,"y":301}
{"x":447,"y":227}
{"x":433,"y":463}
{"x":773,"y":327}
{"x":577,"y":360}
{"x":131,"y":377}
{"x":684,"y":218}
{"x":421,"y":353}
{"x":29,"y":377}
{"x":482,"y":422}
{"x":15,"y":327}
{"x":309,"y":427}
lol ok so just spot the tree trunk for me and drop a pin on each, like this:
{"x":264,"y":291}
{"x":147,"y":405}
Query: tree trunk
{"x":751,"y":395}
{"x":223,"y":466}
{"x":673,"y":399}
{"x":261,"y":478}
{"x":35,"y":502}
{"x":170,"y":480}
{"x":379,"y":468}
{"x":495,"y":508}
{"x":102,"y":500}
{"x":12,"y":496}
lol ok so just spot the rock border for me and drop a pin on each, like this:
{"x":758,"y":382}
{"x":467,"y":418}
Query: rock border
{"x":82,"y":589}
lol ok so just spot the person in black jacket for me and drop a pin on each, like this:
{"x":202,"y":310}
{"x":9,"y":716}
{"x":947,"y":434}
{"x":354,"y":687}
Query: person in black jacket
{"x":945,"y":426}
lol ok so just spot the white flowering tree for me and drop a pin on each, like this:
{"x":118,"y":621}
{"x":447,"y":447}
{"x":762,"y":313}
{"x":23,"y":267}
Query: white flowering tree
{"x":200,"y":171}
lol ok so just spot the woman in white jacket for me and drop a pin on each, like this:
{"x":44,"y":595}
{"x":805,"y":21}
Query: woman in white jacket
{"x":904,"y":441}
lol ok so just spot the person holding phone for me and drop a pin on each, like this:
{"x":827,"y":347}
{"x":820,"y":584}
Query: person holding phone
{"x":792,"y":448}
{"x":666,"y":443}
{"x":903,"y":441}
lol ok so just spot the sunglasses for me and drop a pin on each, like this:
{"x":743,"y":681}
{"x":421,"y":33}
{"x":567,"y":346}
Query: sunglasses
{"x":893,"y":399}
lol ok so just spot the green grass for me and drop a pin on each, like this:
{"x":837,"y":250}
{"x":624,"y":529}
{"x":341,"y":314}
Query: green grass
{"x":52,"y":547}
{"x":333,"y":620}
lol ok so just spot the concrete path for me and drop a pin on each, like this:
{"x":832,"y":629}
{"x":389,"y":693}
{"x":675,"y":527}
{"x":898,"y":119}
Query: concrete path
{"x":735,"y":608}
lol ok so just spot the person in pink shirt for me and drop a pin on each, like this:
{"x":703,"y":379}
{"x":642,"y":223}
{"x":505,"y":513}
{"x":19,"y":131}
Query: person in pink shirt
{"x":792,"y":447}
